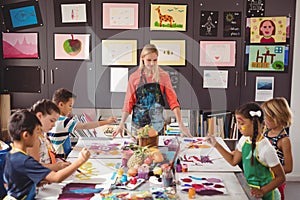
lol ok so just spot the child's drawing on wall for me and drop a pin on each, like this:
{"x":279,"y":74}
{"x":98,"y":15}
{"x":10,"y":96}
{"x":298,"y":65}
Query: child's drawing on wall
{"x":268,"y":30}
{"x":168,"y":17}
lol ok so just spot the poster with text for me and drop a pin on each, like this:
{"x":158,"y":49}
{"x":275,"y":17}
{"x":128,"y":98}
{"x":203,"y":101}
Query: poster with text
{"x":232,"y":24}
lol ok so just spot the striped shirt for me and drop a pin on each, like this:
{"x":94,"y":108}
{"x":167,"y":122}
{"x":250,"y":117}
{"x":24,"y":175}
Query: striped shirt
{"x":59,"y":135}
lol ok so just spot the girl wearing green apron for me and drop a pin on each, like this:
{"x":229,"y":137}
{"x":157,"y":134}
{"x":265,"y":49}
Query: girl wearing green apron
{"x":261,"y":165}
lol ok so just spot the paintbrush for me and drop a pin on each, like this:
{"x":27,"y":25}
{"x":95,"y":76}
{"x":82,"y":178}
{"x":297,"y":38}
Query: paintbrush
{"x":125,"y":129}
{"x":64,"y":160}
{"x":209,"y":151}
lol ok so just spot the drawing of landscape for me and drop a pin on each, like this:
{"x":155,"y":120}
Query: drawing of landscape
{"x":20,"y":45}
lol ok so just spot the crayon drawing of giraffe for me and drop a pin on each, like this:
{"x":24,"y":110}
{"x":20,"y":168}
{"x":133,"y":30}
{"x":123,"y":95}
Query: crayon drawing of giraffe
{"x":164,"y":18}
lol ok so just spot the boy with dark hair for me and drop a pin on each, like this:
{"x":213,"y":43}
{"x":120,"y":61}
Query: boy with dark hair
{"x":23,"y":173}
{"x":59,"y":135}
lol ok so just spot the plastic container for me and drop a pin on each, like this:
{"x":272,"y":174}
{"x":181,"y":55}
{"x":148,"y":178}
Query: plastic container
{"x":173,"y":145}
{"x":167,"y":177}
{"x":143,"y":172}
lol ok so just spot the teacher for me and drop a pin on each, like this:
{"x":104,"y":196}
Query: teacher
{"x":144,"y":96}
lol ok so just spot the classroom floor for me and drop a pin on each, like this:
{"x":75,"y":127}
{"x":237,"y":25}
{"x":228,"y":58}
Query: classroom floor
{"x":292,"y":190}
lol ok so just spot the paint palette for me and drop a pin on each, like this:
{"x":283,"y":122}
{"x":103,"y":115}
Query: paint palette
{"x":203,"y":185}
{"x":163,"y":193}
{"x":129,"y":186}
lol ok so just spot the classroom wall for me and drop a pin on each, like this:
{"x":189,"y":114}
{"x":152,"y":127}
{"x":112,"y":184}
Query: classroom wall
{"x":295,"y":104}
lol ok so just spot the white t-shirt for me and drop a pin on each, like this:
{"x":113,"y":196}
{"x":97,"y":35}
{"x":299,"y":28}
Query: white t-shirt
{"x":266,"y":153}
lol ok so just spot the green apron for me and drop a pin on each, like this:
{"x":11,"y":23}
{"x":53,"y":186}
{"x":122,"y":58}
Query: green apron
{"x":258,"y":174}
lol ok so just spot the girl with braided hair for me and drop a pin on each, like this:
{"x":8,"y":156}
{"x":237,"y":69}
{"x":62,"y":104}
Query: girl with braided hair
{"x":261,"y":165}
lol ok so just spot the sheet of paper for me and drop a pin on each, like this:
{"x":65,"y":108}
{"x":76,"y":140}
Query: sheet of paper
{"x":264,"y":89}
{"x":215,"y":78}
{"x":118,"y":79}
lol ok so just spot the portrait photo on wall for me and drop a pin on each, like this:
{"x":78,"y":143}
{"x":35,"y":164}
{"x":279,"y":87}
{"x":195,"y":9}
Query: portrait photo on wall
{"x":255,"y":8}
{"x":21,"y":15}
{"x":209,"y":23}
{"x":168,"y":17}
{"x":267,"y":57}
{"x":232,"y":24}
{"x":76,"y":13}
{"x":268,"y":30}
{"x":20,"y":45}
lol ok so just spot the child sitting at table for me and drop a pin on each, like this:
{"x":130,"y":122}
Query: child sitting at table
{"x":23,"y":173}
{"x":59,"y":134}
{"x":261,"y":165}
{"x":47,"y":112}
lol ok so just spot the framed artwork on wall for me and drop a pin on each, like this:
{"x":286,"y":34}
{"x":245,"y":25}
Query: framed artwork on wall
{"x":267,"y":57}
{"x":119,"y":52}
{"x":22,"y":15}
{"x":168,"y":17}
{"x":209,"y":23}
{"x":20,"y":45}
{"x":171,"y":52}
{"x":120,"y":15}
{"x":76,"y":13}
{"x":217,"y":53}
{"x":268,"y":30}
{"x":72,"y":46}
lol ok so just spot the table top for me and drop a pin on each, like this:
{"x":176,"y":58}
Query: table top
{"x":102,"y":169}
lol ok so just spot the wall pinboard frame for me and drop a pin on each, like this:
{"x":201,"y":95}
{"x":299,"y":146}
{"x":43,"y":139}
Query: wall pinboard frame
{"x":21,"y":15}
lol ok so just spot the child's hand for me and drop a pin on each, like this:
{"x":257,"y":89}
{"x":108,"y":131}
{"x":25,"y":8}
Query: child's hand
{"x":257,"y":193}
{"x":211,"y":140}
{"x":112,"y":119}
{"x":84,"y":154}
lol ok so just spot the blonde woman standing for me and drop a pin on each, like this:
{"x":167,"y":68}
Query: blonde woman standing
{"x":144,"y":96}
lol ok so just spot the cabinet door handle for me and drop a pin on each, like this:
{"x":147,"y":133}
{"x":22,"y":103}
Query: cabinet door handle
{"x":245,"y":82}
{"x":43,"y":76}
{"x":236,"y":78}
{"x":51,"y":76}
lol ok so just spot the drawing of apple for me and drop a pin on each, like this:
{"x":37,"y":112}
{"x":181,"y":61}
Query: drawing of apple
{"x":72,"y":46}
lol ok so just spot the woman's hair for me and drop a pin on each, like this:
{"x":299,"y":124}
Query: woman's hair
{"x":267,"y":20}
{"x":278,"y":111}
{"x":45,"y":106}
{"x":62,"y":95}
{"x":255,"y":113}
{"x":148,"y":49}
{"x":20,"y":121}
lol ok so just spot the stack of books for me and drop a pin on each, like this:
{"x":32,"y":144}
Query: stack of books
{"x":173,"y":128}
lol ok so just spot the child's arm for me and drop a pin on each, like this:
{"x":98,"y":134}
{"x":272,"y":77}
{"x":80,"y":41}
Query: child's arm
{"x":279,"y":178}
{"x":90,"y":125}
{"x":57,"y":166}
{"x":61,"y":175}
{"x":287,"y":153}
{"x":232,"y":158}
{"x":110,"y":120}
